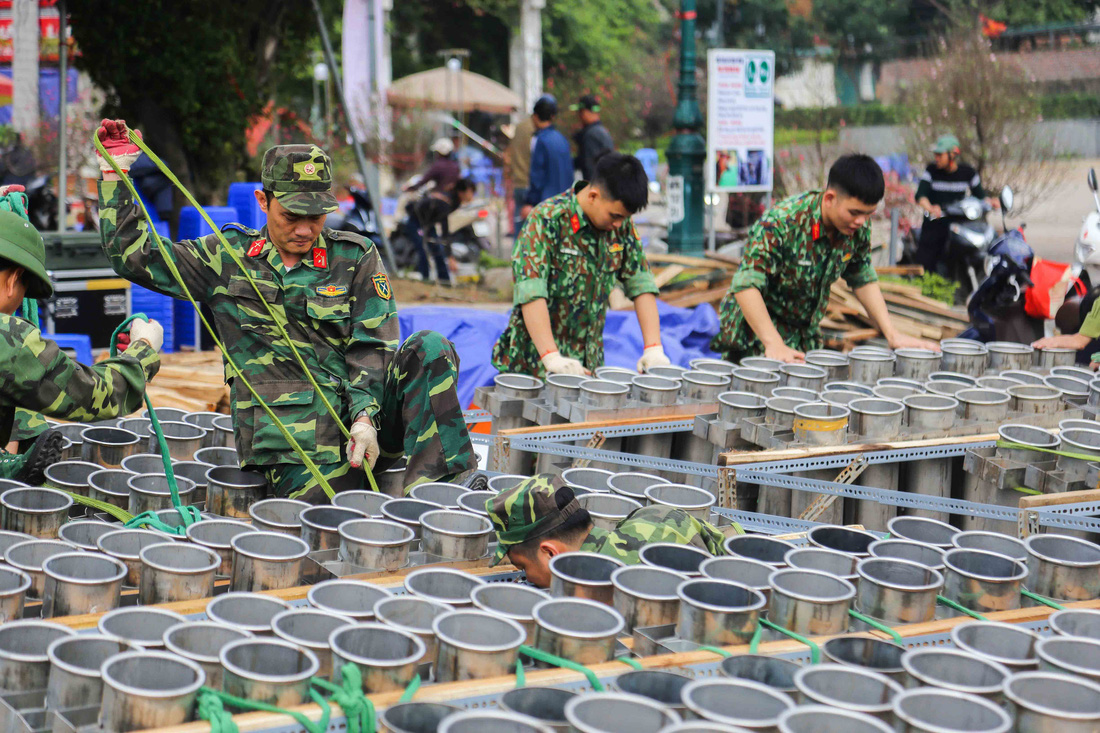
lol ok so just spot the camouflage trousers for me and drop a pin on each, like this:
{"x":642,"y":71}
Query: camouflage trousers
{"x":420,"y":418}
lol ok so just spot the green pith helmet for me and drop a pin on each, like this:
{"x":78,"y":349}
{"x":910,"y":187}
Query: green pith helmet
{"x":946,"y":144}
{"x":21,"y":244}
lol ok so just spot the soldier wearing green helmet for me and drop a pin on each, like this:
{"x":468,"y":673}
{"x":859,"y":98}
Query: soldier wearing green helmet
{"x":38,"y":376}
{"x":540,"y":518}
{"x":330,"y":291}
{"x":944,"y":181}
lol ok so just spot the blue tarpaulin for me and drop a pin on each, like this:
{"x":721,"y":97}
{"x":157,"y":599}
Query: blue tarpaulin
{"x":685,"y":333}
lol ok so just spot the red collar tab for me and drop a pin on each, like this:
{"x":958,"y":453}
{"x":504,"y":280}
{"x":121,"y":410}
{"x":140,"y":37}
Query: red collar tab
{"x":320,"y":258}
{"x":575,"y":222}
{"x":256,"y":247}
{"x":815,"y":231}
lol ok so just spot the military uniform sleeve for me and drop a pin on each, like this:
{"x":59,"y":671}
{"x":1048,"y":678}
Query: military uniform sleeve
{"x":757,"y":262}
{"x":374,"y":334}
{"x":138,"y":254}
{"x":1091,"y":325}
{"x":530,"y":263}
{"x":41,"y":377}
{"x":635,"y":274}
{"x":860,"y":271}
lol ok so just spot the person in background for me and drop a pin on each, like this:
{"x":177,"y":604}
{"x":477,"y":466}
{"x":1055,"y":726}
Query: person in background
{"x":551,"y":161}
{"x":593,"y":139}
{"x":517,"y":161}
{"x":432,"y":210}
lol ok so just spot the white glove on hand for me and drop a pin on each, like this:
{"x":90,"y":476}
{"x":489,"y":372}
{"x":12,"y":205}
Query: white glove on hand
{"x":363,"y":443}
{"x":150,"y":332}
{"x":653,"y":356}
{"x":555,"y":363}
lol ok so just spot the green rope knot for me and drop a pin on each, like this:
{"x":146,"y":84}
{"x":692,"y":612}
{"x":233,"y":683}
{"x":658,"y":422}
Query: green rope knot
{"x":212,"y":710}
{"x":349,"y":695}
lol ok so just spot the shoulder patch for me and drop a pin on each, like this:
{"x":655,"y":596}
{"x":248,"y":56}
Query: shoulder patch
{"x":247,"y":231}
{"x":382,"y":286}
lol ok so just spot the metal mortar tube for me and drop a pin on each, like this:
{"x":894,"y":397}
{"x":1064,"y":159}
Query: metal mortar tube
{"x":592,"y":479}
{"x":983,"y":405}
{"x":75,"y":680}
{"x":150,"y":493}
{"x":515,"y":387}
{"x":320,"y":525}
{"x":251,"y":612}
{"x":202,"y":642}
{"x":825,"y":719}
{"x":81,"y":582}
{"x":733,"y":407}
{"x":484,"y":721}
{"x":1094,"y":393}
{"x":646,"y":596}
{"x":820,"y":423}
{"x":70,"y":476}
{"x":1073,"y":389}
{"x":842,"y":539}
{"x":419,"y":717}
{"x":774,"y":672}
{"x":1023,"y":377}
{"x":72,"y":432}
{"x":970,"y":358}
{"x":145,"y":690}
{"x":143,"y":627}
{"x":415,"y":616}
{"x":195,"y":472}
{"x":755,"y":381}
{"x":1076,"y":622}
{"x":474,"y":501}
{"x":797,"y":392}
{"x":311,"y":629}
{"x":1005,"y":355}
{"x":475,"y":645}
{"x":633,"y":485}
{"x":406,"y":512}
{"x":511,"y":601}
{"x":869,"y":367}
{"x":29,"y":557}
{"x":607,"y":510}
{"x":126,"y":545}
{"x":595,"y":712}
{"x":983,"y":581}
{"x":929,"y":476}
{"x":34,"y":512}
{"x":445,"y":585}
{"x":24,"y":659}
{"x":111,"y":485}
{"x":13,"y":592}
{"x":684,"y":559}
{"x":455,"y":535}
{"x":697,"y":387}
{"x":660,"y":686}
{"x":1001,"y":383}
{"x":810,"y":602}
{"x":217,"y":535}
{"x":834,"y":363}
{"x":1047,"y":702}
{"x":761,"y":548}
{"x":736,"y":702}
{"x":270,"y":671}
{"x":718,"y":612}
{"x":752,"y":573}
{"x":1029,"y":438}
{"x":439,"y":492}
{"x":375,"y":543}
{"x":183,"y":439}
{"x":143,"y":463}
{"x":933,"y":710}
{"x":1076,"y":372}
{"x":1064,"y":568}
{"x":578,"y":629}
{"x":83,"y":533}
{"x":955,"y":670}
{"x":220,"y":433}
{"x":1049,"y":358}
{"x":877,"y":655}
{"x":840,"y":564}
{"x":231,"y":491}
{"x":898,"y":591}
{"x":1008,"y":644}
{"x":760,"y":362}
{"x":927,"y":531}
{"x":174,"y":571}
{"x":501,"y":482}
{"x":847,"y":687}
{"x":991,"y":542}
{"x":921,"y":554}
{"x":895,"y":392}
{"x":602,"y":394}
{"x":391,"y":482}
{"x":278,"y":515}
{"x":657,"y":391}
{"x":354,"y":598}
{"x":205,"y":420}
{"x":386,"y":657}
{"x":776,"y":500}
{"x":916,"y":363}
{"x":1067,"y":655}
{"x":1074,"y":440}
{"x":804,"y":376}
{"x":544,"y":704}
{"x":583,"y":575}
{"x":693,"y":500}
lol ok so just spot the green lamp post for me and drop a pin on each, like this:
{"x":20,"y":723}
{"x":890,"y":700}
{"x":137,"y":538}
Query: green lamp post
{"x":688,"y":150}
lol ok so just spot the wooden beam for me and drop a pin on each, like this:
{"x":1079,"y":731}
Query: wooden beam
{"x":686,"y":261}
{"x":738,"y":458}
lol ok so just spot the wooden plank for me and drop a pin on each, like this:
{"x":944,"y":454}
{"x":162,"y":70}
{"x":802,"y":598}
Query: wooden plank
{"x":725,"y":259}
{"x":666,"y":274}
{"x":713,"y":295}
{"x":940,"y":309}
{"x":597,"y":424}
{"x":673,"y":259}
{"x":902,"y":270}
{"x":737,"y":458}
{"x":1066,"y":497}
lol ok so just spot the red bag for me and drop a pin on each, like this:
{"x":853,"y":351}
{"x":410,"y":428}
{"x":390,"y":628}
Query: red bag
{"x":1050,"y":285}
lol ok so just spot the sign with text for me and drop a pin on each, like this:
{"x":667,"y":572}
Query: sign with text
{"x":740,"y":120}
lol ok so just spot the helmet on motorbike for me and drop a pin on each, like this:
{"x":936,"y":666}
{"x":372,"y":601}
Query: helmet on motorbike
{"x":946,"y":144}
{"x":1010,"y":252}
{"x":443,"y":146}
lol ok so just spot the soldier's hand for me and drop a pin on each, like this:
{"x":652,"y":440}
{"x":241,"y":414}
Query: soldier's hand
{"x":901,"y":341}
{"x":785,"y":353}
{"x":11,"y":188}
{"x":653,"y":356}
{"x":555,"y":363}
{"x":1065,"y":341}
{"x":150,"y":332}
{"x":363,"y":443}
{"x":116,"y":140}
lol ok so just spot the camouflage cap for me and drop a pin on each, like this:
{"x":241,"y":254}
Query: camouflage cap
{"x":531,"y":509}
{"x":300,"y":176}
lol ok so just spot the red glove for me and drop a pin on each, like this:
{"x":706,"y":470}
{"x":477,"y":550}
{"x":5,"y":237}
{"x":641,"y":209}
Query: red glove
{"x":116,"y":140}
{"x":123,"y":341}
{"x":11,"y":188}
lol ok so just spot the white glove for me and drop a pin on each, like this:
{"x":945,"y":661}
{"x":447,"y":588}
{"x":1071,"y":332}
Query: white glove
{"x":150,"y":332}
{"x":653,"y":356}
{"x":363,"y":443}
{"x":555,"y":363}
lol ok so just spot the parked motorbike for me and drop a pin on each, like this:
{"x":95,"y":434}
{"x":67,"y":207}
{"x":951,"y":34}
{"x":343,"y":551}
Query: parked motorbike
{"x":42,"y":203}
{"x":362,"y":218}
{"x":1086,"y":250}
{"x":469,"y":232}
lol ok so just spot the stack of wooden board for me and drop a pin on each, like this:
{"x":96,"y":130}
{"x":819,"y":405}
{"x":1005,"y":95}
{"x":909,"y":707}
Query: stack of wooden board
{"x":190,"y":380}
{"x":846,"y":323}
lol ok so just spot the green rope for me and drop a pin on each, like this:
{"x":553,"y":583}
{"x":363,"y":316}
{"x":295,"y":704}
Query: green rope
{"x":815,"y":650}
{"x":716,"y":650}
{"x":877,"y":626}
{"x":237,"y":373}
{"x":411,"y":689}
{"x":630,"y":662}
{"x":212,"y":710}
{"x":358,"y":708}
{"x":117,"y":512}
{"x":754,"y":642}
{"x":548,"y":658}
{"x":1043,"y":600}
{"x":1067,"y":454}
{"x":521,"y":676}
{"x":239,"y":702}
{"x":961,"y":609}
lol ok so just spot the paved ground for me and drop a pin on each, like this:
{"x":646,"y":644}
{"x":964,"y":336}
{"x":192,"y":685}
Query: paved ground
{"x":1053,"y":227}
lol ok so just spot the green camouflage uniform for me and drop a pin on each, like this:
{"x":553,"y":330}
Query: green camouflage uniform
{"x":560,"y":257}
{"x":341,"y":315}
{"x":38,"y":376}
{"x":793,"y":261}
{"x":534,"y":509}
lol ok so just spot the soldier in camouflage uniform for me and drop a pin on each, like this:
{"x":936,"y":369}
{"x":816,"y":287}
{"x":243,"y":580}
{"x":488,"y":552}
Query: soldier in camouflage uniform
{"x":37,"y":377}
{"x":330,"y":290}
{"x":565,"y":262}
{"x":540,"y":517}
{"x":794,"y":254}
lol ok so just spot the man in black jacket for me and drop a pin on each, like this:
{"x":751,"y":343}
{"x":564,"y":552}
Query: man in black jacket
{"x":593,"y":139}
